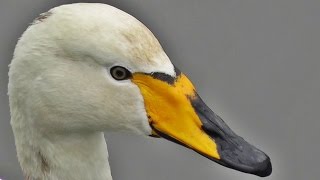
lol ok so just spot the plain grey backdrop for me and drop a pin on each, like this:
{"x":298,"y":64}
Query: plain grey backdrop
{"x":255,"y":62}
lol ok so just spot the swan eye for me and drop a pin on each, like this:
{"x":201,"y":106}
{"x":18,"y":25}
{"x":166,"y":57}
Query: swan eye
{"x":120,"y":73}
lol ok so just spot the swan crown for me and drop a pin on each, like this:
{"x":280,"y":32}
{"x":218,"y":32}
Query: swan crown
{"x":98,"y":31}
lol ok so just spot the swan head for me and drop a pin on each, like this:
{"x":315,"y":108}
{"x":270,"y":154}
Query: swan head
{"x":92,"y":67}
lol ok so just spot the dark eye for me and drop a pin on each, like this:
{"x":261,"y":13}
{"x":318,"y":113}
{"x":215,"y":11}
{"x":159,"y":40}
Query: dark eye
{"x":120,"y":73}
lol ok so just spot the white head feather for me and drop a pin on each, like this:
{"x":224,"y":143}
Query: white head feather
{"x":61,"y":92}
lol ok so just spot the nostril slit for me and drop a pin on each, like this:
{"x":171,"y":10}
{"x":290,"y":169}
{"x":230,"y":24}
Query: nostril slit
{"x":213,"y":134}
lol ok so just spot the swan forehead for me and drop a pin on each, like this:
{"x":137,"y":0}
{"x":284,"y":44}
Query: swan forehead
{"x":107,"y":35}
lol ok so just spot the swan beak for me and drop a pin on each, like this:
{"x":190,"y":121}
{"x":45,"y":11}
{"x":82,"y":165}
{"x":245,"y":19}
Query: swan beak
{"x":177,"y":113}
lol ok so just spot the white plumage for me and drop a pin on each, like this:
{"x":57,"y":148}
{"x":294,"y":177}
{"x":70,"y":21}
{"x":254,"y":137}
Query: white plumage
{"x":62,"y":94}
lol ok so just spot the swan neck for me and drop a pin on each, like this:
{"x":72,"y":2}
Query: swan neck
{"x":67,"y":156}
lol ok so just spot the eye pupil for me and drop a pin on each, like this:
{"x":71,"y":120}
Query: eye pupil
{"x":120,"y":73}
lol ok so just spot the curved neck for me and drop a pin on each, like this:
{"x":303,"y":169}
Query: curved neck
{"x":67,"y":156}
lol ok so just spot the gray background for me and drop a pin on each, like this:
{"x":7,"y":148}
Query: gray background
{"x":256,"y":62}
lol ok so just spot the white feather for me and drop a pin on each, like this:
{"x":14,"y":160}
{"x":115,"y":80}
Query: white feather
{"x":62,"y":96}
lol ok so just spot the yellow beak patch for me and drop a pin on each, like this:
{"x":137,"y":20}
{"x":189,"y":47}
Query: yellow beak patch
{"x":170,"y":112}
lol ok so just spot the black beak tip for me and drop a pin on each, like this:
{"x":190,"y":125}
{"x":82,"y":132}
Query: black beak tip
{"x":242,"y":156}
{"x":265,"y":169}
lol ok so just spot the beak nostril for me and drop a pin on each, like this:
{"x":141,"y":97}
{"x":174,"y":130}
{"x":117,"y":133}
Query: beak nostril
{"x":211,"y":133}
